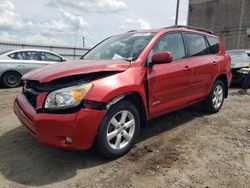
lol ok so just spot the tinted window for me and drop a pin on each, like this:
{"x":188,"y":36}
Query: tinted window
{"x":196,"y":45}
{"x":45,"y":56}
{"x":214,"y":45}
{"x":172,"y":43}
{"x":30,"y":55}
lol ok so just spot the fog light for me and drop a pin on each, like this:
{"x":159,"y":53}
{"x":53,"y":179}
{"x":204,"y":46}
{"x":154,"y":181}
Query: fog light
{"x":68,"y":140}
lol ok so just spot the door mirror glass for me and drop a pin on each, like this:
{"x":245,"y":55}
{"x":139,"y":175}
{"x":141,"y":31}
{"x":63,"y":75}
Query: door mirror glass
{"x":162,"y":57}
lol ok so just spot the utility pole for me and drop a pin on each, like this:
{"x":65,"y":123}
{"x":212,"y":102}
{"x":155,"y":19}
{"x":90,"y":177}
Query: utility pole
{"x":242,"y":12}
{"x":177,"y":12}
{"x":83,"y":42}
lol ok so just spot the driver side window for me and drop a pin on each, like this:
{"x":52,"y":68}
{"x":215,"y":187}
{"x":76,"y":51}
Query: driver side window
{"x":172,"y":43}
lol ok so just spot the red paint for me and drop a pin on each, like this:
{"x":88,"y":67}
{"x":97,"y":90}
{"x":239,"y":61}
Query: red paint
{"x":51,"y":129}
{"x":162,"y":57}
{"x":170,"y":86}
{"x":51,"y":72}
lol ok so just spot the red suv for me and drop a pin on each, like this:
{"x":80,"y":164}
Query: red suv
{"x":120,"y":84}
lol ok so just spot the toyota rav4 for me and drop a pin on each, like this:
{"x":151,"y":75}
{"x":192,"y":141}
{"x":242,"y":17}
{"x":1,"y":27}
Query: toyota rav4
{"x":108,"y":95}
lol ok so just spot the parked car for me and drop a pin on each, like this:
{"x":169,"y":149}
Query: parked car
{"x":120,"y":84}
{"x":14,"y":64}
{"x":240,"y":64}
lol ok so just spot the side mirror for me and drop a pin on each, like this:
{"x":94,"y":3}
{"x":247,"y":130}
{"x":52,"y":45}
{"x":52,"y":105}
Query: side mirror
{"x":162,"y":57}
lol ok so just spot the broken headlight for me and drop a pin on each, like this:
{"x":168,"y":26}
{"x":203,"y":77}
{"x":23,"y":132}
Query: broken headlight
{"x":244,"y":71}
{"x":67,"y":97}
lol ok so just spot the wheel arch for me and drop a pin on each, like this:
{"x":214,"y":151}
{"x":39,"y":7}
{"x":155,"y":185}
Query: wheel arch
{"x":223,"y":78}
{"x":136,"y":99}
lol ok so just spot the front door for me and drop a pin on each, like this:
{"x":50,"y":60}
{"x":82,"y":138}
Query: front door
{"x":169,"y":84}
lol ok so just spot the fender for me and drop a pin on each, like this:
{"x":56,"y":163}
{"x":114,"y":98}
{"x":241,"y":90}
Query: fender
{"x":223,"y":74}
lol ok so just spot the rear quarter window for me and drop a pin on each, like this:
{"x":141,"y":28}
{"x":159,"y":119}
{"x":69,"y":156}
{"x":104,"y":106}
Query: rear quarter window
{"x":213,"y":42}
{"x":16,"y":55}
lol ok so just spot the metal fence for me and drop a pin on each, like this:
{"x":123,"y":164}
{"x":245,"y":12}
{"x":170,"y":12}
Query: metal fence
{"x":65,"y":51}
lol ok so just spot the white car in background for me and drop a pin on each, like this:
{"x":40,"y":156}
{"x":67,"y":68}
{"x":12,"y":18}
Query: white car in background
{"x":15,"y":63}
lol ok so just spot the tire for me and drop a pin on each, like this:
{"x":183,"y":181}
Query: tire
{"x":115,"y":128}
{"x":215,"y":99}
{"x":11,"y":79}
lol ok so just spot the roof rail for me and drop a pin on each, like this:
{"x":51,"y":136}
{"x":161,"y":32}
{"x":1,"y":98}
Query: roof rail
{"x":191,"y":27}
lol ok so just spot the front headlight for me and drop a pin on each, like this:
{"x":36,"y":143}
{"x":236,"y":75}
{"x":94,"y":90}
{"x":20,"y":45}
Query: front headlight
{"x":244,"y":70}
{"x":67,"y":97}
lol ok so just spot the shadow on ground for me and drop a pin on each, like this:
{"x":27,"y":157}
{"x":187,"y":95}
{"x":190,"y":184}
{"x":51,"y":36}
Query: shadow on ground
{"x":25,"y":161}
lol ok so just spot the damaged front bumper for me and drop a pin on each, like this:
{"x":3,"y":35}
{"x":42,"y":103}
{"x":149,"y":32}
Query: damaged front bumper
{"x":57,"y":129}
{"x":239,"y":75}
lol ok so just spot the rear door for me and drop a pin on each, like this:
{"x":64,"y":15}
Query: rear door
{"x":24,"y":61}
{"x":31,"y":60}
{"x":169,"y":84}
{"x":203,"y":63}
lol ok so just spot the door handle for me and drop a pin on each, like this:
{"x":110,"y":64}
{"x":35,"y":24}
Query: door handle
{"x":214,"y":63}
{"x":187,"y":68}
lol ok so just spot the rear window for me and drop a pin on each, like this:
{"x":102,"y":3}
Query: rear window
{"x":213,"y":45}
{"x":196,"y":45}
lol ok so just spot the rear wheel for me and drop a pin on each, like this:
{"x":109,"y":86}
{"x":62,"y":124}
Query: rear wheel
{"x":11,"y":79}
{"x":118,"y":130}
{"x":215,"y":99}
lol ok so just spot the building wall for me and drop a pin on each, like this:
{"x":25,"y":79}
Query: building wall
{"x":67,"y":52}
{"x":230,"y":19}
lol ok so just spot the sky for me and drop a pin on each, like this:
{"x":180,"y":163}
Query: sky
{"x":66,"y":22}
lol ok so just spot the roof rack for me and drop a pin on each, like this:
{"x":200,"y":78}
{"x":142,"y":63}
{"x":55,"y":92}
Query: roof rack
{"x":191,"y":27}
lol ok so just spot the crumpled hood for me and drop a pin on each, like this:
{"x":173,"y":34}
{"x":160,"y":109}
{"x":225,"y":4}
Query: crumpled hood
{"x":77,"y":67}
{"x":239,"y":64}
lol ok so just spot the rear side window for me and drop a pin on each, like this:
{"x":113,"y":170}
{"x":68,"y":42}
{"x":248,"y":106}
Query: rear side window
{"x":30,"y":55}
{"x":213,"y":45}
{"x":196,"y":45}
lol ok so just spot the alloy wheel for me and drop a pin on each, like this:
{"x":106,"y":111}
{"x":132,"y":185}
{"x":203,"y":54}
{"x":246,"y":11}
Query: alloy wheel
{"x":121,"y":130}
{"x":218,"y":96}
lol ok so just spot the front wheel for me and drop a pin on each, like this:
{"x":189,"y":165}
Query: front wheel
{"x":215,"y":99}
{"x":118,"y":130}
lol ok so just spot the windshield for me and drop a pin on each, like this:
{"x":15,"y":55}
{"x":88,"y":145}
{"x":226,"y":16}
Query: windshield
{"x":127,"y":46}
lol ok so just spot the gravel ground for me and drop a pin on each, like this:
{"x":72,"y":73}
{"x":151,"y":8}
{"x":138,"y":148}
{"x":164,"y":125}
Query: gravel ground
{"x":187,"y":148}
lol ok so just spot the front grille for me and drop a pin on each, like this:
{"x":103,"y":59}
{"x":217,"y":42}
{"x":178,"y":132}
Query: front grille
{"x":31,"y":98}
{"x":30,"y":93}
